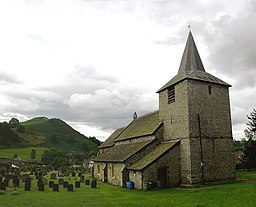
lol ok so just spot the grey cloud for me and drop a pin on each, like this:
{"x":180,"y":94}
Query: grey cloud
{"x":6,"y":78}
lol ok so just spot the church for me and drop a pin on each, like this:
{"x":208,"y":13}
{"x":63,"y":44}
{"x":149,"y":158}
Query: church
{"x":187,"y":141}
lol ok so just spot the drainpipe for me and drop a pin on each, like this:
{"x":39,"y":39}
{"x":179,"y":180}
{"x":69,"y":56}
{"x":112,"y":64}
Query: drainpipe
{"x":201,"y":147}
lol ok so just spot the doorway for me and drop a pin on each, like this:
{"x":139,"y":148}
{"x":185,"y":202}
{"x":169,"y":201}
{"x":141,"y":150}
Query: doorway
{"x":163,"y":177}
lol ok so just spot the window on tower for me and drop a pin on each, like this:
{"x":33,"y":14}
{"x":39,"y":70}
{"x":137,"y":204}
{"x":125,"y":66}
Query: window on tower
{"x":171,"y":94}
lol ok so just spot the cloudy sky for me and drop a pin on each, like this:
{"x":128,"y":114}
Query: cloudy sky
{"x":94,"y":63}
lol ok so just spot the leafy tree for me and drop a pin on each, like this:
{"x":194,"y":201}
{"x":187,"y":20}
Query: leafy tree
{"x":7,"y":135}
{"x":55,"y":158}
{"x":33,"y":154}
{"x":14,"y":123}
{"x":95,"y":140}
{"x":21,"y":129}
{"x":249,"y":157}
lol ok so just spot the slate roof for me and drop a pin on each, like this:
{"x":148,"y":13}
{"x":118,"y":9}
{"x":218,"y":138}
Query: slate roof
{"x":191,"y":67}
{"x":142,"y":126}
{"x":121,"y":152}
{"x":152,"y":156}
{"x":110,"y":141}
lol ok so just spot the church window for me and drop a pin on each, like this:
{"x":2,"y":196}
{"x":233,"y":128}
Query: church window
{"x":112,"y":169}
{"x":98,"y":166}
{"x":210,"y":89}
{"x":171,"y":94}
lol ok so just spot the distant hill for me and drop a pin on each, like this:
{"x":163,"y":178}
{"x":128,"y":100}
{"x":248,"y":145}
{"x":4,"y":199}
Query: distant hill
{"x":52,"y":133}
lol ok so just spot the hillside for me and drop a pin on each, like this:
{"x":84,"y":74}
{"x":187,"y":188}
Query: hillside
{"x":52,"y":133}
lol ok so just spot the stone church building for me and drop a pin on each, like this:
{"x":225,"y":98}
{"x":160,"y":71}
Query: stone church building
{"x":187,"y":141}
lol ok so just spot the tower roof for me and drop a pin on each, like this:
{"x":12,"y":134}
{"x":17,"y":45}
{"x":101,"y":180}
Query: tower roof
{"x":191,"y":67}
{"x":191,"y":60}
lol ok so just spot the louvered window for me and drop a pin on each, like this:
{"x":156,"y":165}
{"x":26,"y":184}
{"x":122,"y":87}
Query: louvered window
{"x":171,"y":94}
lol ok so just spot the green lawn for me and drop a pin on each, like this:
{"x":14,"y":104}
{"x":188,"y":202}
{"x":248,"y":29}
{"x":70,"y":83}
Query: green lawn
{"x":251,"y":174}
{"x":24,"y":153}
{"x":236,"y":194}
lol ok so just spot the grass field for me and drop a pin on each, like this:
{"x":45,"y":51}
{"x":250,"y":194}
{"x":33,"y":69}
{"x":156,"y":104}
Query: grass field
{"x":24,"y":153}
{"x":236,"y":194}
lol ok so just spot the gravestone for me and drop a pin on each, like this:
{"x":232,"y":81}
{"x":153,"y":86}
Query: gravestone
{"x":79,"y":174}
{"x":77,"y":184}
{"x":16,"y":182}
{"x":73,"y":174}
{"x":51,"y":183}
{"x":65,"y":184}
{"x":2,"y":186}
{"x":1,"y":179}
{"x":70,"y":187}
{"x":53,"y":176}
{"x":61,"y":181}
{"x":66,"y":174}
{"x":55,"y":187}
{"x":40,"y":182}
{"x":93,"y":184}
{"x":6,"y":181}
{"x":27,"y":186}
{"x":41,"y":187}
{"x":87,"y":182}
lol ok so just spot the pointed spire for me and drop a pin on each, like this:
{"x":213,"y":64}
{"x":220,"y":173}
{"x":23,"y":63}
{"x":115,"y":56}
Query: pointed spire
{"x":191,"y":60}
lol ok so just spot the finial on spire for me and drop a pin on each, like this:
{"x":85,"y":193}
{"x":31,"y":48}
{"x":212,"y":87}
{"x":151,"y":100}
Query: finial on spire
{"x":189,"y":26}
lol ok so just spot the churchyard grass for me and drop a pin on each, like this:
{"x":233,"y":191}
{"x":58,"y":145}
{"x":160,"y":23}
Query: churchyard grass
{"x":235,"y":194}
{"x":250,"y":174}
{"x":24,"y":153}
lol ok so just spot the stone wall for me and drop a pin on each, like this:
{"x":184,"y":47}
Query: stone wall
{"x":200,"y":109}
{"x":170,"y":160}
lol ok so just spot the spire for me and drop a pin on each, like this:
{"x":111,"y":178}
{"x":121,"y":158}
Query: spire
{"x":191,"y":60}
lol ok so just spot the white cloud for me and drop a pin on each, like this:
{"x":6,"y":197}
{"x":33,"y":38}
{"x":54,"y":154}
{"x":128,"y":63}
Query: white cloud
{"x":94,"y":63}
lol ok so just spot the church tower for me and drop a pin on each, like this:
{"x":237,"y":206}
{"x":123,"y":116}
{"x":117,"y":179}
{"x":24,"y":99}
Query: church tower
{"x":194,"y":107}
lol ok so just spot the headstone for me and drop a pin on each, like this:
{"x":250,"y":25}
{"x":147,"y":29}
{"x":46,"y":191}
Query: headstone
{"x":73,"y":174}
{"x":93,"y":184}
{"x":53,"y":176}
{"x":2,"y":186}
{"x":77,"y":184}
{"x":6,"y":181}
{"x":87,"y":182}
{"x":40,"y":182}
{"x":66,"y":174}
{"x":16,"y":182}
{"x":51,"y":183}
{"x":79,"y":174}
{"x":70,"y":187}
{"x":55,"y":187}
{"x":61,"y":181}
{"x":65,"y":184}
{"x":1,"y":179}
{"x":28,"y":180}
{"x":41,"y":187}
{"x":27,"y":186}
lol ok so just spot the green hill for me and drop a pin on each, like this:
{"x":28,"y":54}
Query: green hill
{"x":51,"y":133}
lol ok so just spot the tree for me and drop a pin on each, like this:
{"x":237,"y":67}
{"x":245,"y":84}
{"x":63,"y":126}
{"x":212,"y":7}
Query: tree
{"x":55,"y":158}
{"x":249,"y":152}
{"x":33,"y":154}
{"x":21,"y":129}
{"x":14,"y":123}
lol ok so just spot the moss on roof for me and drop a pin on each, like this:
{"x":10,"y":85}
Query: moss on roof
{"x":194,"y":75}
{"x":152,"y":156}
{"x":121,"y":152}
{"x":110,"y":141}
{"x":142,"y":126}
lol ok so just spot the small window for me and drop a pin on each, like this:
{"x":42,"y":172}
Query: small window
{"x":171,"y":94}
{"x":210,"y":89}
{"x":98,"y":166}
{"x":113,"y":170}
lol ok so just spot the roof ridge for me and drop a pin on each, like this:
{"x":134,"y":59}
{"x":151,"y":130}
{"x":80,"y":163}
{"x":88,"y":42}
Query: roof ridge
{"x":148,"y":114}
